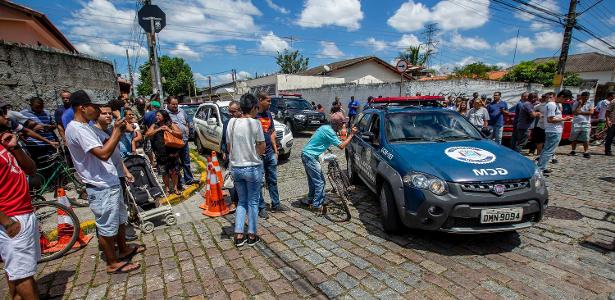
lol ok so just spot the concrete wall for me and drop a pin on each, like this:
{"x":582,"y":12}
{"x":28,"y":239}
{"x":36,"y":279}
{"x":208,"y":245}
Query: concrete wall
{"x":462,"y":87}
{"x":361,"y":70}
{"x":284,"y":82}
{"x":602,"y":76}
{"x":31,"y":71}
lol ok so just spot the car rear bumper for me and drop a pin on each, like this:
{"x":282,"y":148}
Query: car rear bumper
{"x":460,"y":211}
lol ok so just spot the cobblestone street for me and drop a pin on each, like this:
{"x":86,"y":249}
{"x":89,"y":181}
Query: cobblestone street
{"x":304,"y":256}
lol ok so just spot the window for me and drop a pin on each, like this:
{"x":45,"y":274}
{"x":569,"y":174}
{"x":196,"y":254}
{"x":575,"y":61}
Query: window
{"x":363,"y":124}
{"x":428,"y":126}
{"x":375,"y":127}
{"x":202,"y":113}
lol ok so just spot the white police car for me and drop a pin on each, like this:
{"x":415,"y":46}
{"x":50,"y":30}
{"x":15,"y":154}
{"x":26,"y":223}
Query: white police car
{"x":433,"y":170}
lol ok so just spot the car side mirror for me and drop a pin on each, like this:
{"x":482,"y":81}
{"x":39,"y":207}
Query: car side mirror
{"x":212,"y":121}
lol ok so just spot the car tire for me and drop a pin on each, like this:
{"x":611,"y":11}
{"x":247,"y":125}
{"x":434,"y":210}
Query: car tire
{"x":284,"y":156}
{"x":353,"y":177}
{"x":388,"y":210}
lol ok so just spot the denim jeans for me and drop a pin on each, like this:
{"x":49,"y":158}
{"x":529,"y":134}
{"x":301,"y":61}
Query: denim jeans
{"x":552,"y":140}
{"x":248,"y":182}
{"x":608,"y":141}
{"x":521,"y":136}
{"x":270,"y":166}
{"x":316,"y":180}
{"x":184,"y":156}
{"x":496,"y":133}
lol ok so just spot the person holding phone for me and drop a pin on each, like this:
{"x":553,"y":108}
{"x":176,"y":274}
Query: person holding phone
{"x":554,"y":127}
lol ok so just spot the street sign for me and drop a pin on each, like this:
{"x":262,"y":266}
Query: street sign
{"x":401,"y":66}
{"x":152,"y":11}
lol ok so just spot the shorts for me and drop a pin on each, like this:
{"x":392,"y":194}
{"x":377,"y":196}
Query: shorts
{"x":538,"y":135}
{"x":601,"y":125}
{"x":579,"y":134}
{"x":168,"y":165}
{"x":21,"y":253}
{"x":110,"y":211}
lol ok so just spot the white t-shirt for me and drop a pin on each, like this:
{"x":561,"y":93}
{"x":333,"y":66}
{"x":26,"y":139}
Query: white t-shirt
{"x":478,"y":116}
{"x":80,"y":139}
{"x":243,"y":134}
{"x":601,"y":107}
{"x":116,"y":158}
{"x":554,"y":110}
{"x":582,"y":120}
{"x":542,"y":109}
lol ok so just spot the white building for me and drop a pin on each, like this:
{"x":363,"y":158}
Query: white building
{"x":589,"y":66}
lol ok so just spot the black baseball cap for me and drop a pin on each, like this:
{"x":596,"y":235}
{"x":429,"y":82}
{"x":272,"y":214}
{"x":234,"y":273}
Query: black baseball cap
{"x":566,"y":94}
{"x":585,"y":94}
{"x":80,"y":97}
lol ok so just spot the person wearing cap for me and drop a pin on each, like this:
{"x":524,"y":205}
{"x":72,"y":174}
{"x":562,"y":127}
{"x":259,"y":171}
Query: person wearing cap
{"x":93,"y":163}
{"x":554,"y":126}
{"x":582,"y":109}
{"x":19,"y":234}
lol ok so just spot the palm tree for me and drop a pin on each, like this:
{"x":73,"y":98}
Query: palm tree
{"x":413,"y":55}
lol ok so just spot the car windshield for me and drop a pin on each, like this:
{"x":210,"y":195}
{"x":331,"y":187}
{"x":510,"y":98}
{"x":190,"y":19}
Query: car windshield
{"x":298,"y":104}
{"x":190,"y":110}
{"x":437,"y":126}
{"x":225,"y":114}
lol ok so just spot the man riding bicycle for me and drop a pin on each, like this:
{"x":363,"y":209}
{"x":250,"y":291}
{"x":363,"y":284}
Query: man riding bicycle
{"x":322,"y":139}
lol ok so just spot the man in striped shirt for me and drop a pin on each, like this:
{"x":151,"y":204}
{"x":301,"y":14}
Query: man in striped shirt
{"x":40,"y":115}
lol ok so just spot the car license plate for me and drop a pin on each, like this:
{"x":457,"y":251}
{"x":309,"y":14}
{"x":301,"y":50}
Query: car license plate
{"x":501,"y":215}
{"x":315,"y":122}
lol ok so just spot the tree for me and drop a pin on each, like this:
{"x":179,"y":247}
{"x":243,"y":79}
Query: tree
{"x":474,"y":70}
{"x":543,"y":73}
{"x":414,"y":56}
{"x":291,"y":62}
{"x":178,"y":77}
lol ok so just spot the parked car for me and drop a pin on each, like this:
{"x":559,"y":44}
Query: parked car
{"x":508,"y":123}
{"x":208,"y":121}
{"x":190,"y":110}
{"x":296,"y":112}
{"x":433,"y":170}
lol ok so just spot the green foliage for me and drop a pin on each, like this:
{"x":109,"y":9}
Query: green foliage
{"x":543,"y":73}
{"x":177,"y":76}
{"x":291,"y":62}
{"x":414,"y":56}
{"x":474,"y":70}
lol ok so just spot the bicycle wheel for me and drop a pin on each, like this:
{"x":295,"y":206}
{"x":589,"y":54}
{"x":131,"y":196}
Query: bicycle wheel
{"x":78,"y":195}
{"x":55,"y":240}
{"x":336,"y":208}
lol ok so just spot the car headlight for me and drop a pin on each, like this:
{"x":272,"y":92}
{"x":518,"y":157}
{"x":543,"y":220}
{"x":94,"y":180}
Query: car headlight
{"x":538,"y":178}
{"x":426,"y":182}
{"x":300,"y":117}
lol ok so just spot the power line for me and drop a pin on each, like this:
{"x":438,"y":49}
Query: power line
{"x":539,"y":8}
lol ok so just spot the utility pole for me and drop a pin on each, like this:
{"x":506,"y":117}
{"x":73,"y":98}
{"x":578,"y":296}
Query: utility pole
{"x":571,"y":20}
{"x":132,"y":87}
{"x":291,"y":39}
{"x":235,"y":80}
{"x":516,"y":43}
{"x":209,"y":79}
{"x":153,"y":57}
{"x":430,"y":33}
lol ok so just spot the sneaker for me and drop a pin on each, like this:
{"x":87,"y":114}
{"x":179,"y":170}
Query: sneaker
{"x":253,"y":240}
{"x":547,"y":171}
{"x":586,"y":155}
{"x":572,"y":153}
{"x":240,"y":242}
{"x":279,"y":208}
{"x":263,"y":213}
{"x":554,"y":161}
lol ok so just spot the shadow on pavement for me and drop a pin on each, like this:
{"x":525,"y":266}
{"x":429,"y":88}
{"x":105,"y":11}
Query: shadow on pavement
{"x":54,"y":284}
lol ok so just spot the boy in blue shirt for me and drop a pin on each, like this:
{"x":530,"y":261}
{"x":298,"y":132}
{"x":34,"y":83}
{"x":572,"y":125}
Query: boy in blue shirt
{"x":322,"y":139}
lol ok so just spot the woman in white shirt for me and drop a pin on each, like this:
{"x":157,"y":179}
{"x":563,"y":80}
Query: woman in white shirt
{"x":246,"y":145}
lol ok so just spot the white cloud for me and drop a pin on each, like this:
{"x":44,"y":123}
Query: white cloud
{"x":537,"y":25}
{"x":449,"y":15}
{"x":232,"y":49}
{"x":598,"y":44}
{"x":407,"y":40}
{"x":276,"y":7}
{"x":467,"y":60}
{"x":548,"y":40}
{"x":272,"y":43}
{"x":203,"y":80}
{"x":373,"y":43}
{"x":329,"y":50}
{"x":104,"y":47}
{"x":342,"y":13}
{"x":474,"y":43}
{"x":182,"y":50}
{"x":503,"y":65}
{"x":447,"y":68}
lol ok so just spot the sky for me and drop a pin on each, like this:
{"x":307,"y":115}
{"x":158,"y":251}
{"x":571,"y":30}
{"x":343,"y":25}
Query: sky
{"x":216,"y":36}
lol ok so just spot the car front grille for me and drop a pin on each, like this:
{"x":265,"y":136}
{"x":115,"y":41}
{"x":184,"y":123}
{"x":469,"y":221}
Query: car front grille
{"x":279,"y":135}
{"x":457,"y":222}
{"x":487,"y":187}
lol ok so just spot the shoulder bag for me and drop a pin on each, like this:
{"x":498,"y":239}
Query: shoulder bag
{"x":172,"y":141}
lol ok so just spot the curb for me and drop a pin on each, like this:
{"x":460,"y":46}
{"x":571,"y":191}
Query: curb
{"x":176,"y":199}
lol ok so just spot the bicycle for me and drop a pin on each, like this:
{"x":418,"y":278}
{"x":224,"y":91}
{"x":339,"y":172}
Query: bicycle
{"x":335,"y":209}
{"x":47,"y":214}
{"x":61,"y":175}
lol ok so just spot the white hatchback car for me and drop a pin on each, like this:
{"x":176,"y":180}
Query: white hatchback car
{"x":208,"y":121}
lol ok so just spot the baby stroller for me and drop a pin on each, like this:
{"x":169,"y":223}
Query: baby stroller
{"x":143,"y":195}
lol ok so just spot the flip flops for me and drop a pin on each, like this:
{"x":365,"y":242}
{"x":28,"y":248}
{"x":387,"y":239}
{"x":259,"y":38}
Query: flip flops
{"x":133,"y":252}
{"x":121,"y":269}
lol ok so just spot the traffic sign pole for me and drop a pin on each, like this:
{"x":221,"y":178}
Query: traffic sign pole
{"x":154,"y":65}
{"x":152,"y":19}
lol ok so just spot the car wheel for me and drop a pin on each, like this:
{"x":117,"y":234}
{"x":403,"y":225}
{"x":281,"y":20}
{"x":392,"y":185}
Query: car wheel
{"x":285,"y":156}
{"x":388,"y":209}
{"x":351,"y":171}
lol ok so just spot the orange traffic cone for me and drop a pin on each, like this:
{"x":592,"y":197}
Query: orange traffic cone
{"x":66,"y":228}
{"x":216,"y":206}
{"x":207,"y":193}
{"x":217,"y":169}
{"x":344,"y":132}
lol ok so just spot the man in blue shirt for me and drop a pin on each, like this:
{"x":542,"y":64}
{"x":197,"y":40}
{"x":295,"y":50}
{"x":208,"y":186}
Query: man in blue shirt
{"x":57,"y":115}
{"x":322,"y":139}
{"x":37,"y":113}
{"x":497,"y":110}
{"x":353,"y":109}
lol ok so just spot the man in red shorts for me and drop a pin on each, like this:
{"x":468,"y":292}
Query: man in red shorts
{"x":19,"y":235}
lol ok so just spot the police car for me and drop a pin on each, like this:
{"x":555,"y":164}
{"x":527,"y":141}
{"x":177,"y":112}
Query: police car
{"x":433,"y":170}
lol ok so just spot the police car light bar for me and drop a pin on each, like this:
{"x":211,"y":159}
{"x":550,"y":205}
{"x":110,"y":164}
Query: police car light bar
{"x":404,"y":99}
